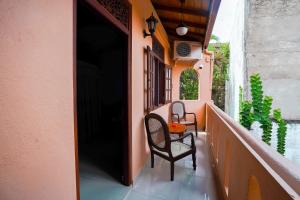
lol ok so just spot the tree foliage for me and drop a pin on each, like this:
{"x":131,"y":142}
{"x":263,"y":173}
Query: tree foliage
{"x":189,"y":84}
{"x":220,"y":74}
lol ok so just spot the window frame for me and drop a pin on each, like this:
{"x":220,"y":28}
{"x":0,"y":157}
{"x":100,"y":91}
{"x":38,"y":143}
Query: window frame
{"x":158,"y":81}
{"x":168,"y":84}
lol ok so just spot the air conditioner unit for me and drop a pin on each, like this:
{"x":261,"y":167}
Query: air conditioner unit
{"x":186,"y":50}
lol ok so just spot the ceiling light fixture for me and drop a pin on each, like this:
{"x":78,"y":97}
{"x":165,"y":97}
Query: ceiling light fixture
{"x":182,"y":29}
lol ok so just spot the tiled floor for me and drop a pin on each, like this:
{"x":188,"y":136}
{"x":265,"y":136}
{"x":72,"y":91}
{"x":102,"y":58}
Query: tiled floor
{"x":188,"y":184}
{"x":155,"y":183}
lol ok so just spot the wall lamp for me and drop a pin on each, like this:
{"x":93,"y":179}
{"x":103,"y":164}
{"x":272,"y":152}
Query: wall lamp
{"x":151,"y":22}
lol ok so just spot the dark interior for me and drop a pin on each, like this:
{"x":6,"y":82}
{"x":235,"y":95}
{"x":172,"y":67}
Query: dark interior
{"x":101,"y":92}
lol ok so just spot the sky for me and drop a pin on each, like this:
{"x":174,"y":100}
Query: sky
{"x":225,"y":18}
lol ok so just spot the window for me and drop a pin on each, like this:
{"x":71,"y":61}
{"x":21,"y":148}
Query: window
{"x":158,"y":84}
{"x":189,"y":85}
{"x":157,"y":48}
{"x":168,"y":83}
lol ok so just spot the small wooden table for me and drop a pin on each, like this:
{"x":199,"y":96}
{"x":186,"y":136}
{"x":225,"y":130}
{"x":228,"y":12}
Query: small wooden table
{"x":175,"y":128}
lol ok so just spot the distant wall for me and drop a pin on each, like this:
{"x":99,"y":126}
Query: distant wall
{"x":37,"y":158}
{"x":273,"y":50}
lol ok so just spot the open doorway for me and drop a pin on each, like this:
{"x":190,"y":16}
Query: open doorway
{"x":102,"y":97}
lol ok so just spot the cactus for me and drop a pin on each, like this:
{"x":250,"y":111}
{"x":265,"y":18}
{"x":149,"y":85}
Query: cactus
{"x":261,"y":112}
{"x":265,"y":121}
{"x":246,"y":116}
{"x":257,"y":95}
{"x":281,"y":131}
{"x":266,"y":107}
{"x":277,"y":114}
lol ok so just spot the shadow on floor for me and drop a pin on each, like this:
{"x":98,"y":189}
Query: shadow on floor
{"x":97,"y":182}
{"x":100,"y":155}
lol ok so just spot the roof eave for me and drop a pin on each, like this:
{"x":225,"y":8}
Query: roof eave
{"x":214,"y":8}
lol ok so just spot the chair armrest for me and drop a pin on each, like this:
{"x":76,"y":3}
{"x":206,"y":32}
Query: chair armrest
{"x":173,"y":114}
{"x":184,"y":136}
{"x":188,"y":113}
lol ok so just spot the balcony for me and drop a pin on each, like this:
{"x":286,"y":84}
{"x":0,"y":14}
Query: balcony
{"x":231,"y":164}
{"x":40,"y":97}
{"x":243,"y":167}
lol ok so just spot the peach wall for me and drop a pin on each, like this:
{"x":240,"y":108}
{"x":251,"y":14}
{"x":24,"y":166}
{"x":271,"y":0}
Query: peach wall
{"x":197,"y":107}
{"x":204,"y":77}
{"x":141,"y":10}
{"x":36,"y":100}
{"x":164,"y":112}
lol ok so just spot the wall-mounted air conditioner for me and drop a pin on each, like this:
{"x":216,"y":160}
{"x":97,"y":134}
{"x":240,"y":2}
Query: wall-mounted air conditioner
{"x":186,"y":50}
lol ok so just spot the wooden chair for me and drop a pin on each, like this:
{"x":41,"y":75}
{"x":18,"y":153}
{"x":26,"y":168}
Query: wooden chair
{"x":161,"y":144}
{"x":178,"y":114}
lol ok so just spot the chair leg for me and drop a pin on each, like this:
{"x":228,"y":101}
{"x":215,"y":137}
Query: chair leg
{"x":172,"y":171}
{"x":152,"y":160}
{"x":196,"y":130}
{"x":194,"y":160}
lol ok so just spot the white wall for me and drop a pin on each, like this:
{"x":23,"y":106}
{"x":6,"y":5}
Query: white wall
{"x":237,"y":63}
{"x":273,"y":50}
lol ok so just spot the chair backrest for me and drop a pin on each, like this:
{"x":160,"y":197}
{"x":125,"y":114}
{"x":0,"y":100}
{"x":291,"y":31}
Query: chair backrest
{"x":157,"y":132}
{"x":177,"y":107}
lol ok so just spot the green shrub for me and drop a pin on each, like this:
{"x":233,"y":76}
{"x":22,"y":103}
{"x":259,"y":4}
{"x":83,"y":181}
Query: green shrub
{"x":220,"y":72}
{"x":189,"y":84}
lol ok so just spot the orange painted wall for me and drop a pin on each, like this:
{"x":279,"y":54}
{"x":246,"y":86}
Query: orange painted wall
{"x":141,"y":10}
{"x":204,"y":77}
{"x":37,"y":158}
{"x":197,"y":107}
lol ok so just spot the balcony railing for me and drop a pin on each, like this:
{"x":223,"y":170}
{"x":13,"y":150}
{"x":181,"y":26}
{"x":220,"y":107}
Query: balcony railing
{"x":245,"y":167}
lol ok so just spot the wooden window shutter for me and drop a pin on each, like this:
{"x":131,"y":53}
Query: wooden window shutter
{"x":150,"y":80}
{"x":158,"y":48}
{"x":158,"y":81}
{"x":168,"y":84}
